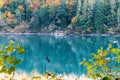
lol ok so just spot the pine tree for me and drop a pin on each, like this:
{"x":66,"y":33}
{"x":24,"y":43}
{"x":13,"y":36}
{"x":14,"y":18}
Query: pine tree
{"x":97,"y":18}
{"x":62,"y":14}
{"x":107,"y":13}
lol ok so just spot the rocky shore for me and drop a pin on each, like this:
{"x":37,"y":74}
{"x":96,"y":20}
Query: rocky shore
{"x":36,"y":76}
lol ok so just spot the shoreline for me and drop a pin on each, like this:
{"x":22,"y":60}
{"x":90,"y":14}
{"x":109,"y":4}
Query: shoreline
{"x":52,"y":34}
{"x":26,"y":76}
{"x":71,"y":35}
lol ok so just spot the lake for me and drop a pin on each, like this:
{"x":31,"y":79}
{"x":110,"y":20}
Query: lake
{"x":57,"y":54}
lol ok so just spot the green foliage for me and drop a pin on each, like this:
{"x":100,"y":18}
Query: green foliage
{"x":101,"y":64}
{"x":107,"y":13}
{"x":8,"y":61}
{"x":97,"y":18}
{"x":100,"y":16}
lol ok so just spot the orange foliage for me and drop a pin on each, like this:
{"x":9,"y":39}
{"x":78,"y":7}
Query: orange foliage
{"x":8,"y":1}
{"x":20,"y":7}
{"x":2,"y":2}
{"x":58,"y":2}
{"x":53,"y":2}
{"x":72,"y":2}
{"x":36,"y":2}
{"x":34,"y":5}
{"x":10,"y":15}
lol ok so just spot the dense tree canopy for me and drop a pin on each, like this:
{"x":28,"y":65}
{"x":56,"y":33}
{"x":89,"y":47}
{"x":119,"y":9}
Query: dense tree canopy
{"x":82,"y":16}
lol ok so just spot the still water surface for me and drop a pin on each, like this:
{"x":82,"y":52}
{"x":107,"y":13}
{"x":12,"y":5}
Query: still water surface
{"x":57,"y":54}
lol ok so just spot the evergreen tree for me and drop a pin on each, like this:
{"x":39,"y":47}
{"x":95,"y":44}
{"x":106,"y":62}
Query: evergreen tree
{"x":97,"y":19}
{"x":62,"y":14}
{"x":107,"y":13}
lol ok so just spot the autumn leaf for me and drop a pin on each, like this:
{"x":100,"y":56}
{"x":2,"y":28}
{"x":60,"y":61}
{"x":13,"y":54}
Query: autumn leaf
{"x":10,"y":59}
{"x":9,"y":49}
{"x":20,"y":49}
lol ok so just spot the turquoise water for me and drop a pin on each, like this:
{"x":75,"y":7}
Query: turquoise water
{"x":57,"y":54}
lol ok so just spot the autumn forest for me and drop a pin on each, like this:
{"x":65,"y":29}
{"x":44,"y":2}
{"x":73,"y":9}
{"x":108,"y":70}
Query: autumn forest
{"x":72,"y":16}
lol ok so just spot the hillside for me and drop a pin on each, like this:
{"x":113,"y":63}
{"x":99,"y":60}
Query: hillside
{"x":73,"y":16}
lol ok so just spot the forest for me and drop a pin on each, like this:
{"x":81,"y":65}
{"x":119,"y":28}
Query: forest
{"x":72,"y":16}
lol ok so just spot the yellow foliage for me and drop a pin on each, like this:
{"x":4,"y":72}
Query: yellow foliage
{"x":69,"y":27}
{"x":70,"y":2}
{"x":3,"y":16}
{"x":89,"y":29}
{"x":44,"y":5}
{"x":115,"y":50}
{"x":1,"y":3}
{"x":67,"y":2}
{"x":96,"y":56}
{"x":90,"y":71}
{"x":94,"y":76}
{"x":104,"y":69}
{"x":104,"y":53}
{"x":89,"y":66}
{"x":74,"y":20}
{"x":101,"y":62}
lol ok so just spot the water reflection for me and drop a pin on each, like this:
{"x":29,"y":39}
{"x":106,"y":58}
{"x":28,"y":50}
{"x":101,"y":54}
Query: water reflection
{"x":64,"y":54}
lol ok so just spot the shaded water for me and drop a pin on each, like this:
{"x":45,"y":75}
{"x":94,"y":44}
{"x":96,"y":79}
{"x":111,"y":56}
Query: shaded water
{"x":64,"y":53}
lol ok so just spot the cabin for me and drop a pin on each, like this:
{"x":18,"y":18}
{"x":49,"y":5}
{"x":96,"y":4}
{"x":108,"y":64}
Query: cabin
{"x":59,"y":33}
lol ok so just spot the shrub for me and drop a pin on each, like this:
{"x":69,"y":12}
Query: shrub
{"x":8,"y":61}
{"x":104,"y":64}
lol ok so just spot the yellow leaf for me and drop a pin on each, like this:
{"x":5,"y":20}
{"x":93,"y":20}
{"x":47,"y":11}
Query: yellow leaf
{"x":10,"y":59}
{"x":20,"y":49}
{"x":10,"y":49}
{"x":89,"y":66}
{"x":94,"y":76}
{"x":115,"y":50}
{"x":1,"y":61}
{"x":100,"y":50}
{"x":90,"y":71}
{"x":104,"y":69}
{"x":101,"y":62}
